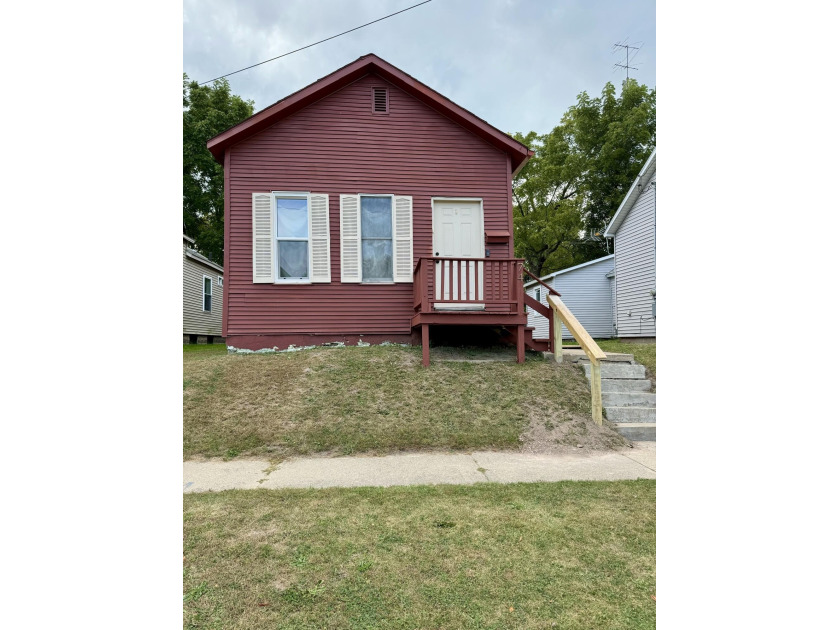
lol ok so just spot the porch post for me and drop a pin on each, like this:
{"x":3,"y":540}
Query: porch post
{"x":520,"y":344}
{"x":424,"y":333}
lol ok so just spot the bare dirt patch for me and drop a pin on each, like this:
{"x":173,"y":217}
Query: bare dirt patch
{"x":567,"y":427}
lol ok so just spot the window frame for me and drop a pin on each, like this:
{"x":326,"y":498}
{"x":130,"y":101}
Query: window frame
{"x":205,"y":295}
{"x":362,"y":239}
{"x":291,"y":194}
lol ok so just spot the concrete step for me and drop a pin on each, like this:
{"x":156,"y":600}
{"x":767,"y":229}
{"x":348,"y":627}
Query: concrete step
{"x":628,"y":399}
{"x":579,"y":356}
{"x":631,"y":414}
{"x":638,"y":431}
{"x":617,"y":370}
{"x":624,"y":385}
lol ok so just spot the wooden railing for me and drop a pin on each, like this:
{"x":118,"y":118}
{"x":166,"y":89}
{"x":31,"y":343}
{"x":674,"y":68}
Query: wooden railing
{"x":470,"y":283}
{"x":541,"y":309}
{"x":563,"y":315}
{"x":551,"y":290}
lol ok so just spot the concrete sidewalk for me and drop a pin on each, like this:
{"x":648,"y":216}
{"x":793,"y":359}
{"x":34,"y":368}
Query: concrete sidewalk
{"x":421,"y":468}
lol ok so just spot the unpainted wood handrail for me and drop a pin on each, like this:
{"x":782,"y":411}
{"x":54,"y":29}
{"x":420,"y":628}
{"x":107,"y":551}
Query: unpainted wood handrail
{"x":592,"y":350}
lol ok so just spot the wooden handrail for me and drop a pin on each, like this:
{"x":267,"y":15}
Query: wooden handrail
{"x":551,"y":291}
{"x":592,"y":350}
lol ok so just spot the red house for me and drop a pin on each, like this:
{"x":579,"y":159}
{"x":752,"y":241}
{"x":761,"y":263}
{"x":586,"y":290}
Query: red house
{"x":368,"y":207}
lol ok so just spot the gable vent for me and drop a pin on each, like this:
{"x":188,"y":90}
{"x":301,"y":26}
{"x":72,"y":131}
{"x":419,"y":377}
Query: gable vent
{"x":380,"y":100}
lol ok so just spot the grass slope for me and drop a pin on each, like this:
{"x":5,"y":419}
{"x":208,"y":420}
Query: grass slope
{"x":377,"y":399}
{"x":543,"y":555}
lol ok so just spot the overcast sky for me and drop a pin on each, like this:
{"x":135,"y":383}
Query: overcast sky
{"x":519,"y":64}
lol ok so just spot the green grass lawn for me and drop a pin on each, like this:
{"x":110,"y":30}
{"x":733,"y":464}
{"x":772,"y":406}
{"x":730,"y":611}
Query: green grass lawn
{"x":377,"y":399}
{"x":490,"y":556}
{"x":213,"y":348}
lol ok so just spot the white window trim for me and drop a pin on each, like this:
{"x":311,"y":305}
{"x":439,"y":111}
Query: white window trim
{"x":203,"y":294}
{"x":219,"y":281}
{"x":393,"y":239}
{"x":291,"y":194}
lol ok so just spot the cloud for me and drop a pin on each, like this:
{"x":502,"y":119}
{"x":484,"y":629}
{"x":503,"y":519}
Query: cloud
{"x":519,"y":64}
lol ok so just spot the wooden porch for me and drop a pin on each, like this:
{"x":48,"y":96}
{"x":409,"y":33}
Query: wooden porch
{"x":472,"y":292}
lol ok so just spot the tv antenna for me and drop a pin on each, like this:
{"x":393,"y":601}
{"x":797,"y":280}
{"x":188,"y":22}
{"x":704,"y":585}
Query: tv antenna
{"x":627,"y":59}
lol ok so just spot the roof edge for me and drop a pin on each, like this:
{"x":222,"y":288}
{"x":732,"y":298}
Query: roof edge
{"x":562,"y":271}
{"x":633,"y":193}
{"x":194,"y":255}
{"x":346,"y":75}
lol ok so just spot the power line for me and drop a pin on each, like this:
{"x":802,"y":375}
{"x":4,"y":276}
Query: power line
{"x":316,"y":43}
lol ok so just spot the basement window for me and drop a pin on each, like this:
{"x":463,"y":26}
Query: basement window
{"x":380,"y":100}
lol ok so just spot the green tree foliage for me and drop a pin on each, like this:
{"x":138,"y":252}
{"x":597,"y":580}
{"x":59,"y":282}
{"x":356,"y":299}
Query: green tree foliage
{"x":567,"y":194}
{"x":546,"y":213}
{"x":208,"y":111}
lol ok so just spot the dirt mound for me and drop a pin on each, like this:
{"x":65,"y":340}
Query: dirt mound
{"x":572,"y":428}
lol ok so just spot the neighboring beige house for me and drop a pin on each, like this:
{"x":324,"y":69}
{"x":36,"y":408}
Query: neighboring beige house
{"x":203,"y":292}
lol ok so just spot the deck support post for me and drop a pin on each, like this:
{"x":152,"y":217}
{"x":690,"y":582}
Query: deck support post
{"x":520,"y":344}
{"x":424,"y":334}
{"x":595,"y":387}
{"x":557,"y":336}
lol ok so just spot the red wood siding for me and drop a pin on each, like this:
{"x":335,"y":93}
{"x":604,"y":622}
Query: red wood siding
{"x":337,"y":145}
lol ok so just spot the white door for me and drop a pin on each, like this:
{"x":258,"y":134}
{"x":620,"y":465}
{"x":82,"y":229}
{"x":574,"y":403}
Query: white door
{"x":458,"y":228}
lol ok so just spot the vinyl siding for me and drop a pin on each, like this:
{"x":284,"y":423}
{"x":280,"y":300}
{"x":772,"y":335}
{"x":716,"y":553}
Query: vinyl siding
{"x":635,"y":267}
{"x":196,"y":320}
{"x":588,"y":295}
{"x":336,"y":146}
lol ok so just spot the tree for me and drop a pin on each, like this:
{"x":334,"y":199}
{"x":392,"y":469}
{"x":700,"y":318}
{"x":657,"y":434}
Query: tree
{"x":617,"y":134}
{"x":568,"y":192}
{"x":546,"y":214}
{"x":208,"y":111}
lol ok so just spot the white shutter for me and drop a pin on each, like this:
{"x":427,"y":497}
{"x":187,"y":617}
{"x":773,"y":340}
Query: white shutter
{"x":263,"y":227}
{"x":319,"y":238}
{"x":403,"y":253}
{"x":351,"y":239}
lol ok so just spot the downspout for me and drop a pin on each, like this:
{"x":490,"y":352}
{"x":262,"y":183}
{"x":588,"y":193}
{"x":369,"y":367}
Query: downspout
{"x":615,"y":288}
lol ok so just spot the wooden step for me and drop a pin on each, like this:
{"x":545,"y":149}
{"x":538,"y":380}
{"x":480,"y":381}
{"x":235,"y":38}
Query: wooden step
{"x":540,"y":345}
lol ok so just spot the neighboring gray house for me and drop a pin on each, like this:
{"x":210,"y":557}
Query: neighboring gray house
{"x":633,"y":230}
{"x":203,"y":290}
{"x":587,"y":290}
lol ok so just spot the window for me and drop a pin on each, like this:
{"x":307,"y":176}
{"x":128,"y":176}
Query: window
{"x":219,"y":281}
{"x":377,"y":239}
{"x":292,"y":221}
{"x":380,"y":100}
{"x":208,"y":293}
{"x":537,"y":293}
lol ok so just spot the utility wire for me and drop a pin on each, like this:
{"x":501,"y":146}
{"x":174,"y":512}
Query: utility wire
{"x":316,"y":43}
